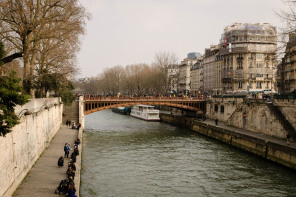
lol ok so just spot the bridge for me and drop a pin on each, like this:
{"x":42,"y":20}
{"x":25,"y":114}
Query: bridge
{"x":94,"y":104}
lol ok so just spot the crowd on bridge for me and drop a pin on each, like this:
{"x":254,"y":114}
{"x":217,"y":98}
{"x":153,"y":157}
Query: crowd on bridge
{"x":67,"y":185}
{"x":135,"y":97}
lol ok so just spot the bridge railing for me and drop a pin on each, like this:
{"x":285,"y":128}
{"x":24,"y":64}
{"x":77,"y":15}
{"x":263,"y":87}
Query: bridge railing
{"x":141,"y":98}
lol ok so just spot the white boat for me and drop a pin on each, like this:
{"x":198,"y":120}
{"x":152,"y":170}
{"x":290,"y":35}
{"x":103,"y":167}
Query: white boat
{"x":145,"y":112}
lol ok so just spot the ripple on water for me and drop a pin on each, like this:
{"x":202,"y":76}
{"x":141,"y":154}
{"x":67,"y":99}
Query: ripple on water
{"x":123,"y":156}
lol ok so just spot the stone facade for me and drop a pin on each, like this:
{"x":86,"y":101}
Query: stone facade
{"x":22,"y":147}
{"x":286,"y":74}
{"x":172,"y":77}
{"x":195,"y":78}
{"x":184,"y":77}
{"x":248,"y":53}
{"x":252,"y":114}
{"x":208,"y":65}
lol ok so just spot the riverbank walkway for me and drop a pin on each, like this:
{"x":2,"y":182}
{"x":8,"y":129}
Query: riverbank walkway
{"x":262,"y":136}
{"x":45,"y":175}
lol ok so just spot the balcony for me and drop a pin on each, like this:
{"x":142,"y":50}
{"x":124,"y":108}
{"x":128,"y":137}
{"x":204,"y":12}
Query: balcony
{"x":259,"y":78}
{"x":239,"y":58}
{"x":225,"y":80}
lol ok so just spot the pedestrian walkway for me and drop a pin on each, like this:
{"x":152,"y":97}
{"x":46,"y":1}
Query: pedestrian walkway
{"x":262,"y":136}
{"x":45,"y":175}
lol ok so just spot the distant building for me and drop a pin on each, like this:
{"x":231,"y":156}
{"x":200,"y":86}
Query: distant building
{"x":84,"y":80}
{"x":193,"y":55}
{"x":172,"y":76}
{"x":248,"y":57}
{"x":196,"y":84}
{"x":184,"y":76}
{"x":208,"y":65}
{"x":286,"y":73}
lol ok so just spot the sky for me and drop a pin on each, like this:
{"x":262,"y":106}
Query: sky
{"x":124,"y":32}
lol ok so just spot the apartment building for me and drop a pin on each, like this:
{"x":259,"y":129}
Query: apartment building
{"x":184,"y":76}
{"x":172,"y":76}
{"x":248,"y":57}
{"x":196,"y":82}
{"x":286,"y":73}
{"x":209,"y":71}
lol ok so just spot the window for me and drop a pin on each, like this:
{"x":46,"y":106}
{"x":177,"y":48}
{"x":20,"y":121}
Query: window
{"x":240,"y":85}
{"x":222,"y":109}
{"x":240,"y":66}
{"x":216,"y":108}
{"x":251,"y":65}
{"x":267,"y":65}
{"x":259,"y":56}
{"x":259,"y":85}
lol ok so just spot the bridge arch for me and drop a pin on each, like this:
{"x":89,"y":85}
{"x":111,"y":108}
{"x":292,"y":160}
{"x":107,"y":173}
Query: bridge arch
{"x":94,"y":105}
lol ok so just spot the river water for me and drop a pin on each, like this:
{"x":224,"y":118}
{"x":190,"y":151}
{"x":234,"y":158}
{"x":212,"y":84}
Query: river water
{"x":124,"y":156}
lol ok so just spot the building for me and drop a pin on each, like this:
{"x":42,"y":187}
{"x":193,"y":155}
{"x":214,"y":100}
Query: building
{"x":209,"y":71}
{"x":286,"y":73}
{"x":218,"y":87}
{"x":248,"y":56}
{"x":195,"y":78}
{"x":172,"y":76}
{"x":193,"y":55}
{"x":184,"y":76}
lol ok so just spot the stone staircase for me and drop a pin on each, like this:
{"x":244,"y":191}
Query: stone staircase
{"x":237,"y":109}
{"x":71,"y":112}
{"x":284,"y":122}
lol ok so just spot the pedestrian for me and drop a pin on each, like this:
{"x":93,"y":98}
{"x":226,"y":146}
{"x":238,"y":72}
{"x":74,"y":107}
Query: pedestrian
{"x":216,"y":121}
{"x":76,"y":151}
{"x":66,"y":150}
{"x":71,"y":191}
{"x":61,"y":161}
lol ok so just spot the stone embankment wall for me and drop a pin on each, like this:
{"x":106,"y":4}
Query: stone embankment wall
{"x":39,"y":122}
{"x":253,"y":114}
{"x":268,"y":149}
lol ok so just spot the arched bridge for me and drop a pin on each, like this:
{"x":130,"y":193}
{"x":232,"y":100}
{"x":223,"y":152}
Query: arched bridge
{"x":94,"y":104}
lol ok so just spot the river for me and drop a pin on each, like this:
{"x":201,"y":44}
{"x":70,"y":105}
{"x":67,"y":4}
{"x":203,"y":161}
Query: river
{"x":124,"y":156}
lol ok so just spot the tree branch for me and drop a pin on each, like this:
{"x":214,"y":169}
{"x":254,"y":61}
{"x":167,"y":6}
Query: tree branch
{"x":10,"y":58}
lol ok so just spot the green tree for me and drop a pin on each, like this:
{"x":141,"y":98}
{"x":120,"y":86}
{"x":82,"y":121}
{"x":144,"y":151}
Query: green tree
{"x":10,"y":96}
{"x":57,"y":83}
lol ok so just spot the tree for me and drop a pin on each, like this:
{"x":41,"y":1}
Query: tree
{"x":10,"y":96}
{"x":162,"y":62}
{"x":32,"y":28}
{"x":288,"y":17}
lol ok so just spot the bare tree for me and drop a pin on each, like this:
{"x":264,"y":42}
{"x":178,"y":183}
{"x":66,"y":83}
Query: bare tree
{"x":25,"y":27}
{"x":162,"y":62}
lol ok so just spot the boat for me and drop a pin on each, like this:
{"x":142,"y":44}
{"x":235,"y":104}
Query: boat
{"x":122,"y":110}
{"x":145,"y":112}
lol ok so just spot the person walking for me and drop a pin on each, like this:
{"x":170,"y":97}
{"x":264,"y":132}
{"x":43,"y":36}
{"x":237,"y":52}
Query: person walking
{"x":216,"y":121}
{"x":66,"y":151}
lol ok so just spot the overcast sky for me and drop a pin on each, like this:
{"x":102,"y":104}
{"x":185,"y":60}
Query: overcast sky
{"x":123,"y":32}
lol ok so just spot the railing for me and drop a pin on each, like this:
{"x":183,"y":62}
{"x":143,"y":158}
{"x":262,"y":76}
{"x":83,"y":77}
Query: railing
{"x":128,"y":98}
